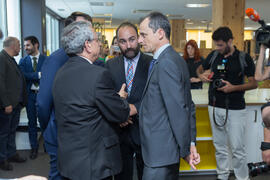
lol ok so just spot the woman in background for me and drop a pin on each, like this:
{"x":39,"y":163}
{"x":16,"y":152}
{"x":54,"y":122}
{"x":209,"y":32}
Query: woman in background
{"x":194,"y":60}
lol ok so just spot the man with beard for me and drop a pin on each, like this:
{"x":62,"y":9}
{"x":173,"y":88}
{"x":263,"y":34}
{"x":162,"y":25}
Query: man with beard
{"x":31,"y":69}
{"x":226,"y":108}
{"x":131,"y":68}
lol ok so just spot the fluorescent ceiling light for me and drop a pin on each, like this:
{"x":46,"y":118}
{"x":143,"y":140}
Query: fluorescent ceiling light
{"x":101,"y":3}
{"x":142,"y":11}
{"x":103,"y":15}
{"x":174,"y":15}
{"x":197,"y":5}
{"x":189,"y":23}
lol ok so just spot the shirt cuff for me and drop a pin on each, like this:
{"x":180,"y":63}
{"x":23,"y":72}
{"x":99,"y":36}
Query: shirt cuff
{"x":192,"y":144}
{"x":39,"y":75}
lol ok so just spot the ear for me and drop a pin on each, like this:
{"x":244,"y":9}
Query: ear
{"x":230,"y":42}
{"x":87,"y":46}
{"x":160,"y":33}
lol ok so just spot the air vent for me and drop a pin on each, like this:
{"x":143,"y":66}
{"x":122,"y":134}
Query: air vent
{"x":135,"y":11}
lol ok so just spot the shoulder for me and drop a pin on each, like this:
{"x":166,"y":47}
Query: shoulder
{"x":115,"y":60}
{"x":22,"y":60}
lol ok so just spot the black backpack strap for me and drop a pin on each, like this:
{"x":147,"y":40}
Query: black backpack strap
{"x":243,"y":63}
{"x":213,"y":58}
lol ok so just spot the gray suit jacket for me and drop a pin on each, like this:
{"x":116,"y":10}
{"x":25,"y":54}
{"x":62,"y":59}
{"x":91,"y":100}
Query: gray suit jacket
{"x":167,"y":111}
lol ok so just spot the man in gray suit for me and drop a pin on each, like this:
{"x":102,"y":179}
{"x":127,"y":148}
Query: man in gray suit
{"x":166,"y":109}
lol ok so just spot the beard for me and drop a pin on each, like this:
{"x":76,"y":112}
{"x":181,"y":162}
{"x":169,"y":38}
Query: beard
{"x":130,"y":53}
{"x":226,"y":50}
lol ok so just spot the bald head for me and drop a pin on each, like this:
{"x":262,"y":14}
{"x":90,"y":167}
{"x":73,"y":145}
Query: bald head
{"x":12,"y":46}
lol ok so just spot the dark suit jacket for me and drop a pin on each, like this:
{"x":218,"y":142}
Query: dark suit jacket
{"x":45,"y":106}
{"x":26,"y":67}
{"x":86,"y":106}
{"x":12,"y":83}
{"x":116,"y":66}
{"x":166,"y":111}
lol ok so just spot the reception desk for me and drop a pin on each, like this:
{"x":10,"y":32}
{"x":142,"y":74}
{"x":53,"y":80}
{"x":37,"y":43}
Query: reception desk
{"x":254,"y":130}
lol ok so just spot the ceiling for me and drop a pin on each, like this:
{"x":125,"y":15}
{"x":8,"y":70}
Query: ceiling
{"x":117,"y":11}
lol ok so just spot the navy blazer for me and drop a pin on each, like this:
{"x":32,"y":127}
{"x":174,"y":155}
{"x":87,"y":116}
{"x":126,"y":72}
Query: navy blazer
{"x":116,"y":67}
{"x":45,"y":107}
{"x":26,"y":67}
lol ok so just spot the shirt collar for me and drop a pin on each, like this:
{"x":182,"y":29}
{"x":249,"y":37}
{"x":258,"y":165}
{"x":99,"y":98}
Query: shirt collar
{"x":160,"y":50}
{"x":87,"y":59}
{"x":37,"y":56}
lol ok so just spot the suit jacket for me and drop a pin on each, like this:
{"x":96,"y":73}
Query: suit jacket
{"x":86,"y":106}
{"x":26,"y":67}
{"x":166,"y":111}
{"x":116,"y":67}
{"x":12,"y":82}
{"x":45,"y":106}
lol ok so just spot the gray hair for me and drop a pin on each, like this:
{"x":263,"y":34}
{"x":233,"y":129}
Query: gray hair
{"x":9,"y":41}
{"x":158,"y":20}
{"x":75,"y":35}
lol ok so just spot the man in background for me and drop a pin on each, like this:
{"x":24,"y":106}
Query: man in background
{"x":45,"y":100}
{"x":131,"y":68}
{"x":12,"y":98}
{"x":31,"y":66}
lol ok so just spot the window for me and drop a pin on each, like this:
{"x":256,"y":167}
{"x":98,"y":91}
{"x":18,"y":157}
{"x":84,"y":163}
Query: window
{"x":52,"y":33}
{"x":3,"y":21}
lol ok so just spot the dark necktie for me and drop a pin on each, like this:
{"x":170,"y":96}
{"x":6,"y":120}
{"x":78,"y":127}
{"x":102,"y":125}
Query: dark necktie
{"x":34,"y":64}
{"x":151,"y":66}
{"x":35,"y":68}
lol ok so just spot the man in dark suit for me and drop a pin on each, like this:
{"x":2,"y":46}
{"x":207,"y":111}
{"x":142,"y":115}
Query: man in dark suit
{"x":166,"y":108}
{"x":45,"y":106}
{"x":86,"y":108}
{"x":30,"y":66}
{"x":12,"y":98}
{"x":127,"y":36}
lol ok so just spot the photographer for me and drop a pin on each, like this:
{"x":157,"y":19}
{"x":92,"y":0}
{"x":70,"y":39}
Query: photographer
{"x":263,"y":73}
{"x":226,"y":108}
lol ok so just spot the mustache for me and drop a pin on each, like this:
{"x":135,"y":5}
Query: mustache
{"x":130,"y":49}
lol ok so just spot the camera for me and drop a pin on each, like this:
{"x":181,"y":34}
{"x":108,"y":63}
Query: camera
{"x":217,"y":83}
{"x":262,"y":35}
{"x":257,"y":168}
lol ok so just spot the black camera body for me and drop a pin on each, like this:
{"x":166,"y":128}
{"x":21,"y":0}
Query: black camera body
{"x":217,"y":83}
{"x":262,"y":35}
{"x":258,"y":168}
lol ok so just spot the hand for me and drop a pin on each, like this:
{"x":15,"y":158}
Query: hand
{"x":133,"y":110}
{"x":227,"y":88}
{"x":190,"y":161}
{"x":32,"y":177}
{"x":262,"y":48}
{"x":205,"y":76}
{"x":194,"y":80}
{"x":195,"y":155}
{"x":124,"y":124}
{"x":122,"y":93}
{"x":266,"y":156}
{"x":8,"y":109}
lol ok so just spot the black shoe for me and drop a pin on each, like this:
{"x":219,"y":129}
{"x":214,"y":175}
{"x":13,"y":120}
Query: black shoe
{"x":34,"y":153}
{"x":5,"y":165}
{"x":17,"y":158}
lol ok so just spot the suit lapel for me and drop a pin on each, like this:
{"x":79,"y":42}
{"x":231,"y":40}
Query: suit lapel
{"x":138,"y":75}
{"x":40,"y":61}
{"x":121,"y":70}
{"x":29,"y":63}
{"x":148,"y":79}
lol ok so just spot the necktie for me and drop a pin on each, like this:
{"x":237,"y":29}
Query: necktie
{"x":151,"y":66}
{"x":35,"y":68}
{"x":35,"y":64}
{"x":129,"y":75}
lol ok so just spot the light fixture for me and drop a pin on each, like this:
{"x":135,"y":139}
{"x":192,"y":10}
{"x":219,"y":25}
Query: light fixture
{"x":189,"y":23}
{"x":174,"y":15}
{"x":141,"y":11}
{"x":197,"y":5}
{"x":60,"y":9}
{"x":101,"y":3}
{"x":102,"y":15}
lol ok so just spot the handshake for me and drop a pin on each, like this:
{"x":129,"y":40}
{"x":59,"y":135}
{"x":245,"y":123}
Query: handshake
{"x":133,"y":110}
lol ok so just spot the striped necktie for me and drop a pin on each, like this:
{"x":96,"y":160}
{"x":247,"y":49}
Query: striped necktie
{"x":151,"y":66}
{"x":129,"y":75}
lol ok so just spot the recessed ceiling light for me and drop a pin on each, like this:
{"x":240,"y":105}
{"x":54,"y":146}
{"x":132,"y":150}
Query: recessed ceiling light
{"x":197,"y":5}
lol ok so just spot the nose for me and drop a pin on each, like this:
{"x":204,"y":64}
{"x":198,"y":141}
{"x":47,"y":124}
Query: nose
{"x":140,"y":39}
